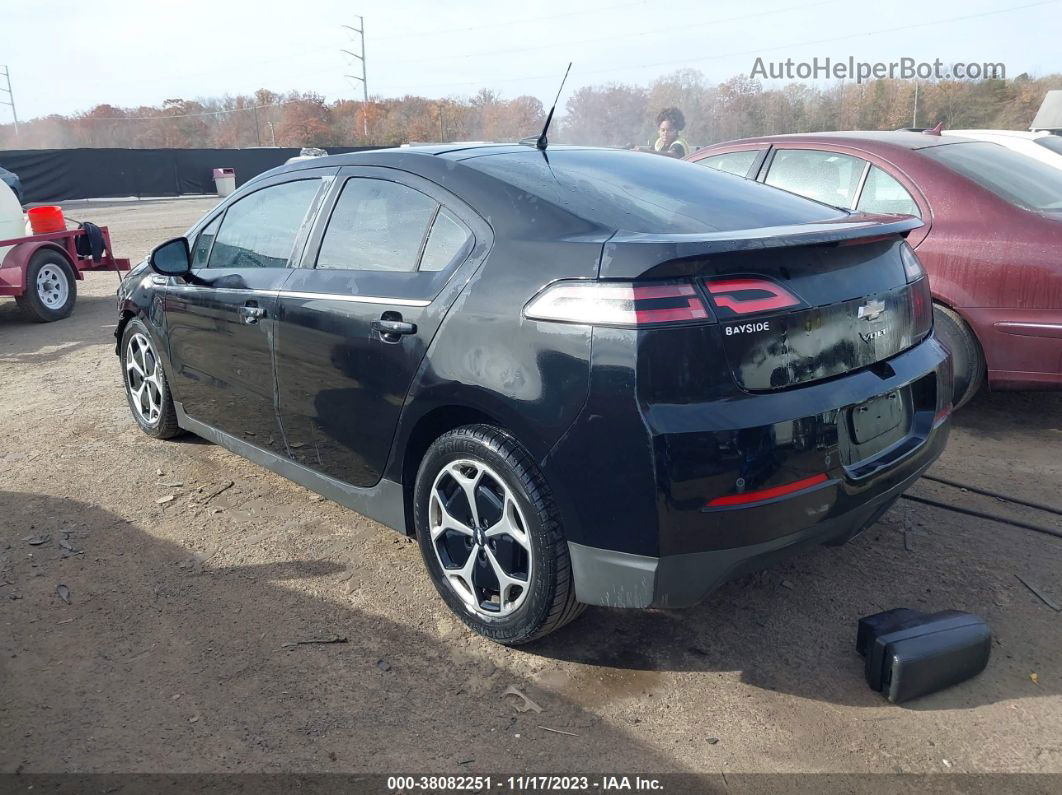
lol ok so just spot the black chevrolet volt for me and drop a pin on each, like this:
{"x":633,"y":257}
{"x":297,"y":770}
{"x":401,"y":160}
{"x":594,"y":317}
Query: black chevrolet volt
{"x":577,"y":376}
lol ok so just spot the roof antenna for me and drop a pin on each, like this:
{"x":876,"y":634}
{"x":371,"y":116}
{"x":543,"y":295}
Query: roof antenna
{"x":542,"y":142}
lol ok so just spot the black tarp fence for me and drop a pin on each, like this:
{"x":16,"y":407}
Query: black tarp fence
{"x":52,"y":175}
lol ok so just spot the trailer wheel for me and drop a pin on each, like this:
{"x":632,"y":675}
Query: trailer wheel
{"x":51,"y":288}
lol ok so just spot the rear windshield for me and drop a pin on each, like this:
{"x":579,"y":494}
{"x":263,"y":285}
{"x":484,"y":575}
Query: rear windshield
{"x":1052,"y":142}
{"x":1014,"y":177}
{"x":639,"y":192}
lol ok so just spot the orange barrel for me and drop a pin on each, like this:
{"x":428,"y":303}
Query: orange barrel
{"x":46,"y":219}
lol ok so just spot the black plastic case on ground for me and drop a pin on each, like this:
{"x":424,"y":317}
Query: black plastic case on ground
{"x":911,"y":654}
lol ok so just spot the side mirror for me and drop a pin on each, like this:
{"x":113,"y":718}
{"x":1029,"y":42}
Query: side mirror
{"x":172,"y":258}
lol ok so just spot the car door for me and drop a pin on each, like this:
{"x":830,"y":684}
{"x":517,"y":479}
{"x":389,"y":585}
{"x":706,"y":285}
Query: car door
{"x":388,"y":256}
{"x":220,"y":322}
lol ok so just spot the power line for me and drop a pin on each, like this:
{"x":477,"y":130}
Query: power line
{"x":757,"y":51}
{"x":510,"y":22}
{"x":633,"y":34}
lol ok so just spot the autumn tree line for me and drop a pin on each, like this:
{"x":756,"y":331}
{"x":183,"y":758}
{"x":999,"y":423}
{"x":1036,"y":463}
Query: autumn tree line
{"x":614,"y":114}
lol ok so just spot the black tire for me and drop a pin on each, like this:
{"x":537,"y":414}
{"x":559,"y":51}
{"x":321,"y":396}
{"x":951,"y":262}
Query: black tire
{"x":33,"y":303}
{"x":164,"y":425}
{"x":549,"y":602}
{"x":968,"y":362}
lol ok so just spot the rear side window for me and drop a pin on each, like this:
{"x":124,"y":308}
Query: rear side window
{"x":259,"y":230}
{"x":883,"y":194}
{"x":737,"y":163}
{"x":1014,"y":177}
{"x":377,"y":225}
{"x":826,"y":177}
{"x":448,"y":241}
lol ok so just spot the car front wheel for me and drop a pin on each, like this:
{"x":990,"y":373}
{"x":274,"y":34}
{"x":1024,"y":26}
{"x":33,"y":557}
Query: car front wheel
{"x":491,"y":538}
{"x":146,"y":388}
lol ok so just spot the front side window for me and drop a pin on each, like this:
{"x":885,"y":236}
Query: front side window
{"x":737,"y":163}
{"x":259,"y":230}
{"x":202,"y":243}
{"x":883,"y":194}
{"x":826,"y":177}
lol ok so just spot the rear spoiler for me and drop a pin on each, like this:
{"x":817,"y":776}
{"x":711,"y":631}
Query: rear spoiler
{"x":630,"y":255}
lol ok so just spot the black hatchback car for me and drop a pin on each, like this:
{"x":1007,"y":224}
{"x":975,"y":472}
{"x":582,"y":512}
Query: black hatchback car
{"x":579,"y":376}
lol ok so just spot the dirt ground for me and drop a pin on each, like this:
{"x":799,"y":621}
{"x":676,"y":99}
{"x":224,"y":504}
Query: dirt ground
{"x":173,"y":650}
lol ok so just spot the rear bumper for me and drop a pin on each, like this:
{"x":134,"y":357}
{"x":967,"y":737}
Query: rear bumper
{"x":618,"y":579}
{"x":724,"y":502}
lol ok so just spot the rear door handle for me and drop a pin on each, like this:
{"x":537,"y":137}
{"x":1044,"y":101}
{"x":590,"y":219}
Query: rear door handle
{"x":392,"y":330}
{"x":251,"y":314}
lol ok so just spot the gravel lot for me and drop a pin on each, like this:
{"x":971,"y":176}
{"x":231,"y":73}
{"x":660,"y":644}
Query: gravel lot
{"x":175,"y":650}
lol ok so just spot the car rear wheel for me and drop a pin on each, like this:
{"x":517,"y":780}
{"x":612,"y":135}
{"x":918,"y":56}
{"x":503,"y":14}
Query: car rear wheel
{"x":145,"y":384}
{"x":51,"y":288}
{"x":968,"y":363}
{"x":491,"y":538}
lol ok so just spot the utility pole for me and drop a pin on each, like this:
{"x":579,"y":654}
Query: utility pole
{"x":914,"y":114}
{"x":364,"y":81}
{"x":10,"y":97}
{"x":272,"y":135}
{"x":257,"y":129}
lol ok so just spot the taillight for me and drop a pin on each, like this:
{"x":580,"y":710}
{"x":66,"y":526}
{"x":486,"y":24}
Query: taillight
{"x":921,"y":307}
{"x":617,"y":303}
{"x":749,"y":295}
{"x":912,"y":266}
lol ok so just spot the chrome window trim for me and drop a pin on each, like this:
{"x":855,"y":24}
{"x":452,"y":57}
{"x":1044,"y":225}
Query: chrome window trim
{"x":355,"y":299}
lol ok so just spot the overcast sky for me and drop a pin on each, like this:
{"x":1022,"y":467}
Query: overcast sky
{"x":67,"y":56}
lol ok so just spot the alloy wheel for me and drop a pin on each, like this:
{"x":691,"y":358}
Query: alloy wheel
{"x":480,"y":538}
{"x":143,"y":379}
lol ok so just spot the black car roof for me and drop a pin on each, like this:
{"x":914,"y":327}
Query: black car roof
{"x":449,"y":151}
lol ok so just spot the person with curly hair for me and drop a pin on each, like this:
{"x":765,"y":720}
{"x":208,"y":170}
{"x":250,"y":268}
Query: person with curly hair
{"x":669,"y":125}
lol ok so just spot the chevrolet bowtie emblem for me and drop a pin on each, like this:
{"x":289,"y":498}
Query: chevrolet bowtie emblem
{"x":872,"y":310}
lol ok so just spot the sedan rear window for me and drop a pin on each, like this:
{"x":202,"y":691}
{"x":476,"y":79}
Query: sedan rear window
{"x":639,"y":192}
{"x":1014,"y":177}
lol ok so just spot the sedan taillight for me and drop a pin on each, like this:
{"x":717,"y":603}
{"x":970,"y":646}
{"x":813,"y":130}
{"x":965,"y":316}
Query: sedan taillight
{"x":617,"y":303}
{"x":749,"y":295}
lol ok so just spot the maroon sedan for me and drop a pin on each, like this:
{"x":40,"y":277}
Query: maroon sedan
{"x":992,"y":239}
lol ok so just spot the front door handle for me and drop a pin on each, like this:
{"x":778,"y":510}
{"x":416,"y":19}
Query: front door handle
{"x":251,"y":314}
{"x":392,"y":330}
